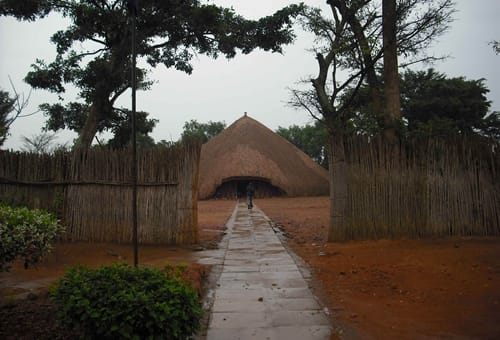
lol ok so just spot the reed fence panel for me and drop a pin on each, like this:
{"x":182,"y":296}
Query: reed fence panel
{"x":422,"y":188}
{"x":91,"y":192}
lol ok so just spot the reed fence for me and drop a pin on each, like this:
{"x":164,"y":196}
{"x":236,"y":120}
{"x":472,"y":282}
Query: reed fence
{"x":91,"y":192}
{"x":422,"y":188}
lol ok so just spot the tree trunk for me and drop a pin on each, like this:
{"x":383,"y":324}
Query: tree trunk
{"x":371,"y":74}
{"x":338,"y":187}
{"x":366,"y":52}
{"x":90,"y":128}
{"x":391,"y":75}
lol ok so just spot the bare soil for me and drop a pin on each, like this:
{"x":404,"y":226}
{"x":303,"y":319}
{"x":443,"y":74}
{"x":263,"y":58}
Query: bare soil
{"x":386,"y":289}
{"x":396,"y":289}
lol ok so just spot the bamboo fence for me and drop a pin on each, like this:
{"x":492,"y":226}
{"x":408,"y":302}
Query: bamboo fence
{"x":422,"y":188}
{"x":91,"y":192}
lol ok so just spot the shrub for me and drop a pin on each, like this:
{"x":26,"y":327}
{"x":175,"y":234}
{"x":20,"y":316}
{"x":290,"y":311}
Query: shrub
{"x":120,"y":301}
{"x":27,"y":234}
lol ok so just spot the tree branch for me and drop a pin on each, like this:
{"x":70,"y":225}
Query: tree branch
{"x":102,"y":42}
{"x":118,"y":93}
{"x":300,"y":103}
{"x":19,"y":105}
{"x":91,"y":53}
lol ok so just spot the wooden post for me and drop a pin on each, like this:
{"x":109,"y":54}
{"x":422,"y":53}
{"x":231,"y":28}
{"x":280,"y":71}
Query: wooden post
{"x":132,"y":5}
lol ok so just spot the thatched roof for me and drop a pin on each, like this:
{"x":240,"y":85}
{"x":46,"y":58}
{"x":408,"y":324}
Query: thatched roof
{"x":248,"y":149}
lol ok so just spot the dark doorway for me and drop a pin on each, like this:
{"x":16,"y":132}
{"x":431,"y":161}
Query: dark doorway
{"x":235,"y":187}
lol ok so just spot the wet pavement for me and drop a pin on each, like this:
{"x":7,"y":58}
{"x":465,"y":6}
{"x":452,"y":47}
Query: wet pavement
{"x":260,"y":292}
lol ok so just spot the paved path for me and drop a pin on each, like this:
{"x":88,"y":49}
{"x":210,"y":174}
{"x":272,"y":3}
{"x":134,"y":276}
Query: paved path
{"x":261,"y":293}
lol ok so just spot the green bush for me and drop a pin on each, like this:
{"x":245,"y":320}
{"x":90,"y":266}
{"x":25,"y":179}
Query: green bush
{"x":27,"y":234}
{"x":120,"y":301}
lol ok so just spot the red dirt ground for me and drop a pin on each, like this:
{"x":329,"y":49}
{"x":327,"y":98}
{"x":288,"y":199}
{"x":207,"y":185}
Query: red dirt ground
{"x":33,"y":317}
{"x":396,"y":289}
{"x":388,"y":289}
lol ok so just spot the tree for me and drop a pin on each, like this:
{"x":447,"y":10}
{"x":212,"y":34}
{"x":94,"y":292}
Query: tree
{"x":118,"y":122}
{"x":6,"y":107}
{"x":434,"y":105}
{"x":348,"y":50}
{"x":40,"y":143}
{"x":391,"y":76}
{"x":361,"y":17}
{"x":202,"y":131}
{"x":334,"y":46}
{"x":408,"y":28}
{"x":93,"y":53}
{"x":121,"y":128}
{"x":312,"y":139}
{"x":26,"y":9}
{"x":12,"y":109}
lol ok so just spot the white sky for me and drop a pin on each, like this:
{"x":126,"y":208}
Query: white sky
{"x":222,"y":90}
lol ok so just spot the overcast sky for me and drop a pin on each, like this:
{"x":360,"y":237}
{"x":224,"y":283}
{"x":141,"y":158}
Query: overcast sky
{"x":222,"y":90}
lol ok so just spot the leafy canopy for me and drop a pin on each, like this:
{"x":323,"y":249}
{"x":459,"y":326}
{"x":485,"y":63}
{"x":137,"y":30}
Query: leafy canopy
{"x":348,"y":48}
{"x":434,"y":105}
{"x":311,"y":139}
{"x":429,"y":97}
{"x":6,"y":107}
{"x":202,"y":131}
{"x":93,"y":53}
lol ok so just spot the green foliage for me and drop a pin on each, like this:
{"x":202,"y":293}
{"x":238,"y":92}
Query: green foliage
{"x":25,"y":9}
{"x":69,"y":117}
{"x":124,"y":302}
{"x":6,"y":106}
{"x":431,"y":105}
{"x":26,"y":234}
{"x":121,"y":126}
{"x":496,"y":46}
{"x":348,"y":48}
{"x":168,"y":32}
{"x":202,"y":131}
{"x":490,"y":126}
{"x":311,"y":139}
{"x":441,"y":105}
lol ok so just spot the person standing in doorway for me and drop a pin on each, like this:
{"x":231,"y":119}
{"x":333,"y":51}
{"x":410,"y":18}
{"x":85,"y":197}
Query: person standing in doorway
{"x":250,"y":194}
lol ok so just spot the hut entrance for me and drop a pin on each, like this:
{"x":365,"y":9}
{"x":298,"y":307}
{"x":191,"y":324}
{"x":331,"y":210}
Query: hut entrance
{"x":235,"y":187}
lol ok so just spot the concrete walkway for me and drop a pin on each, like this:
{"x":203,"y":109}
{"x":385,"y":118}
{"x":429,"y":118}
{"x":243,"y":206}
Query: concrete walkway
{"x":261,"y":293}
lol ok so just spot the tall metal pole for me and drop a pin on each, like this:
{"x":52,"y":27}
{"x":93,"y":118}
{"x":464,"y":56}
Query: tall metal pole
{"x":133,"y":5}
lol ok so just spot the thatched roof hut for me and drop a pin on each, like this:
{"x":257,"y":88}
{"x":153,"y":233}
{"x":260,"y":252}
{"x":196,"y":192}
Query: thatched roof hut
{"x":249,"y":151}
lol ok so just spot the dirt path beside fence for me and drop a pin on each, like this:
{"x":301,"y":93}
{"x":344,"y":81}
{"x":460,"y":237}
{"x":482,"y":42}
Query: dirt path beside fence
{"x":397,"y":289}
